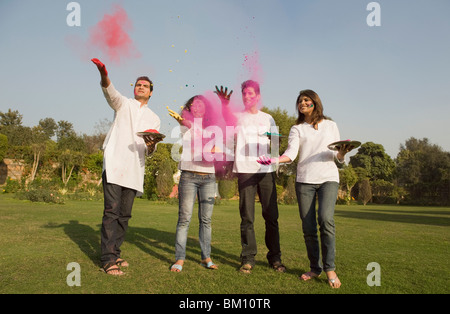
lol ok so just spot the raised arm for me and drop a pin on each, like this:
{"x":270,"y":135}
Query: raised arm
{"x":228,"y":116}
{"x":103,"y":72}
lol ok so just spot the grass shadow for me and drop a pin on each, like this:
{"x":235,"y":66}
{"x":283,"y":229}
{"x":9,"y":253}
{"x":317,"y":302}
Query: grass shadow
{"x":420,"y":217}
{"x":151,"y":241}
{"x":87,"y":238}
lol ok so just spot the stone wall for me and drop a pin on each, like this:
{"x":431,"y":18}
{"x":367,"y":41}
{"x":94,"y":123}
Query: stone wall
{"x":11,"y":168}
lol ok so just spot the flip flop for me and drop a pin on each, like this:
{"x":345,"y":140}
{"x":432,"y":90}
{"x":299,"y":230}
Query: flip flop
{"x":333,"y":282}
{"x":209,"y":265}
{"x":308,"y":276}
{"x":178,"y":268}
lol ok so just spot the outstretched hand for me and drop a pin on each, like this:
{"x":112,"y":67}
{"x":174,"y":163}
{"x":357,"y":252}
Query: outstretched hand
{"x":224,"y":97}
{"x":175,"y":115}
{"x":100,"y":66}
{"x":264,"y":160}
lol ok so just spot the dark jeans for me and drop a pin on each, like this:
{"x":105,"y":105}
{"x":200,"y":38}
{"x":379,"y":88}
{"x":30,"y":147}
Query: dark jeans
{"x":264,"y":184}
{"x":118,"y":203}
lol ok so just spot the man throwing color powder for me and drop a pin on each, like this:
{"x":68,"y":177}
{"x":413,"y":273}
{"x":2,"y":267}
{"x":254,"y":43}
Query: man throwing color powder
{"x":251,"y":130}
{"x":123,"y":163}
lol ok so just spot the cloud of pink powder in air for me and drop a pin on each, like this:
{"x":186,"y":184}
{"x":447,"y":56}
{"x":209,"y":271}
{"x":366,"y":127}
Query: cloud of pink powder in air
{"x":108,"y":40}
{"x":111,"y":37}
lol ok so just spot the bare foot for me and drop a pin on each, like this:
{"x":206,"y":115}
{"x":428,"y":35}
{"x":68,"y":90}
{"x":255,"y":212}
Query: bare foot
{"x":333,"y":280}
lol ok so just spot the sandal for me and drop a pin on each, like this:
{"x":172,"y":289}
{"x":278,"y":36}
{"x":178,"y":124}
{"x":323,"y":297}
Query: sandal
{"x":334,"y":282}
{"x":278,"y":267}
{"x":122,"y":263}
{"x":209,"y":265}
{"x":309,"y":275}
{"x":109,"y":268}
{"x":176,"y":268}
{"x":246,"y":269}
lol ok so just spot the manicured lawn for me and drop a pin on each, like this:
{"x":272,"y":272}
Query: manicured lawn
{"x":38,"y":241}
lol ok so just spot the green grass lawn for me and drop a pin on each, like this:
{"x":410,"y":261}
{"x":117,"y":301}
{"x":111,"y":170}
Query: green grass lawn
{"x":38,"y":241}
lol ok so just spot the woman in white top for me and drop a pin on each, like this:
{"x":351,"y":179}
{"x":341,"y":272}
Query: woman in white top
{"x":197,"y":180}
{"x":317,"y":175}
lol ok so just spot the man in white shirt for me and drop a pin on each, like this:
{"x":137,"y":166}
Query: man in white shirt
{"x":252,"y":126}
{"x":123,"y":163}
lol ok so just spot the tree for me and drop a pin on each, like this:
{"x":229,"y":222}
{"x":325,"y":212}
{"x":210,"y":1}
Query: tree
{"x":423,"y":169}
{"x":3,"y":146}
{"x":10,"y":118}
{"x":49,"y":127}
{"x":153,"y":164}
{"x":374,"y":159}
{"x":365,"y":192}
{"x":38,"y":138}
{"x":69,"y":160}
{"x":11,"y":126}
{"x":347,"y":179}
{"x":164,"y":180}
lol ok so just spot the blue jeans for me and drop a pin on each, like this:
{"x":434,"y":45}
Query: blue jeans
{"x":326,"y":195}
{"x":194,"y":185}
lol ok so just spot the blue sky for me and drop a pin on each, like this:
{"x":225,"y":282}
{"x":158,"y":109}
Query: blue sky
{"x":382,"y":84}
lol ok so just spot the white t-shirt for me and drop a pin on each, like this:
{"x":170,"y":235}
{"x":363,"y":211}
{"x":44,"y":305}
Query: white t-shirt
{"x":316,"y":163}
{"x":251,"y":142}
{"x":196,"y":145}
{"x":124,"y":150}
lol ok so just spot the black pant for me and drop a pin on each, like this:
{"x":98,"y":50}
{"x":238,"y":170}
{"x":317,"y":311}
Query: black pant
{"x":264,"y":184}
{"x":118,"y":203}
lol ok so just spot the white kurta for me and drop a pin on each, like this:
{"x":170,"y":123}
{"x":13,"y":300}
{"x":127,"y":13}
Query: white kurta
{"x":123,"y":150}
{"x":316,"y":162}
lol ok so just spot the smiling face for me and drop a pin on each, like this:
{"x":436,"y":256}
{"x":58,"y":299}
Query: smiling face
{"x":305,"y":105}
{"x":142,"y":90}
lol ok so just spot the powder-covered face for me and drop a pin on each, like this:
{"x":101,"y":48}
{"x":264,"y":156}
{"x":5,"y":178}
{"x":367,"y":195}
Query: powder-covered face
{"x":198,"y":108}
{"x":250,"y":98}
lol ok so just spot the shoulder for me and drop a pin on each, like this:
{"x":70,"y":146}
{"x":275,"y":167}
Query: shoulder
{"x":265,"y":115}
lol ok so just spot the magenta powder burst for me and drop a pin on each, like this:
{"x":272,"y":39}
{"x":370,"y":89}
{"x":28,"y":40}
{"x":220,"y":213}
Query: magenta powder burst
{"x":111,"y":37}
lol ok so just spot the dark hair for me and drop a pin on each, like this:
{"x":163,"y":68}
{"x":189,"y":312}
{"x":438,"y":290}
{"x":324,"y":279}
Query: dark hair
{"x":251,"y":83}
{"x":145,"y":78}
{"x":187,"y":108}
{"x":188,"y":104}
{"x":317,"y":114}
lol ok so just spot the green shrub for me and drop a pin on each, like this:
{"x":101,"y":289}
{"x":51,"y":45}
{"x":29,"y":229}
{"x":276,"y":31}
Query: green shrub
{"x":40,"y":195}
{"x":12,"y":186}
